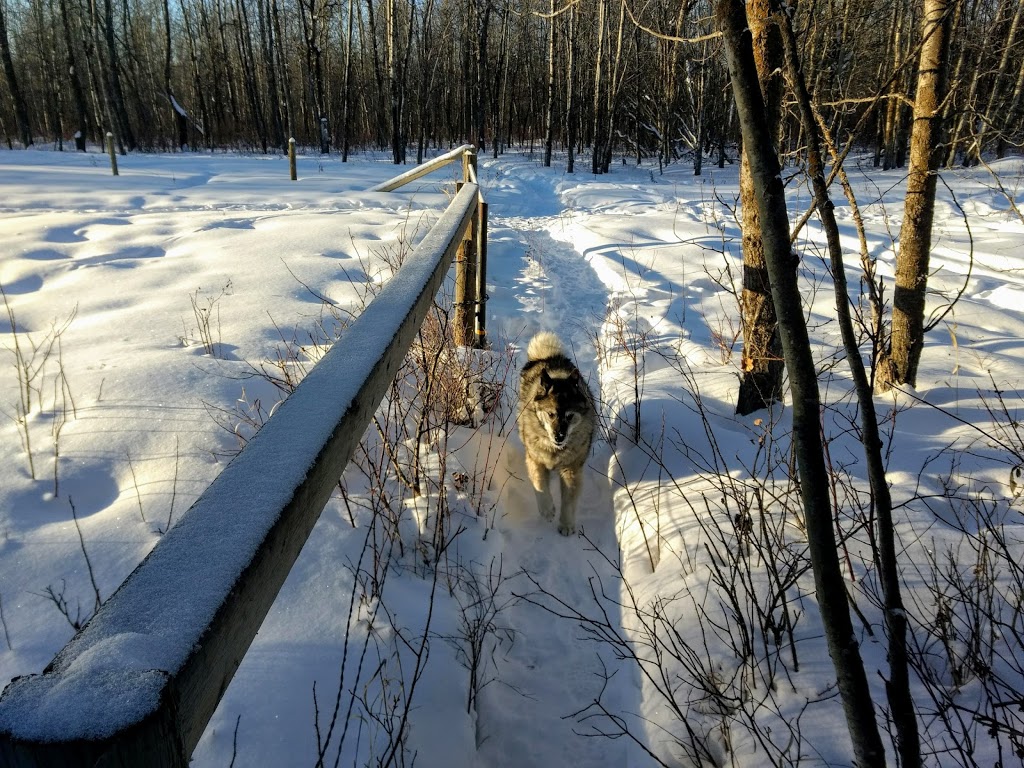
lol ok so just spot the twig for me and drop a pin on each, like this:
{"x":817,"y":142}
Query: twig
{"x":135,"y":482}
{"x":85,"y":554}
{"x":3,"y":623}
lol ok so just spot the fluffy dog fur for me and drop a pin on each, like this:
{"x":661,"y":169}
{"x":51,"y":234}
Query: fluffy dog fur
{"x":557,"y":419}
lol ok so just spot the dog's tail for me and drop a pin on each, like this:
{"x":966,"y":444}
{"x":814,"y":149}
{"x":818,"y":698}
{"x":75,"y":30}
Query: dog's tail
{"x":543,"y":346}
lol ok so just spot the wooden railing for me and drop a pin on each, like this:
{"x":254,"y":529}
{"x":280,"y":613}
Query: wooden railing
{"x":470,"y":322}
{"x":138,"y":684}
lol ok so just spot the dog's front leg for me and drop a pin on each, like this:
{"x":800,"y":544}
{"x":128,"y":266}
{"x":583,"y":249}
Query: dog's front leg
{"x":572,"y":482}
{"x":540,"y":477}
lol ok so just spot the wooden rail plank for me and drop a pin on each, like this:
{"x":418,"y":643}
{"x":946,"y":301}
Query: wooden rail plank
{"x":422,"y":170}
{"x":138,"y":684}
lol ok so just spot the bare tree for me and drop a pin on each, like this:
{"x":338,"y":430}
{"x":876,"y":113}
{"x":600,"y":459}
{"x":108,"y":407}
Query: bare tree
{"x":901,"y":703}
{"x":781,"y":262}
{"x":908,"y":327}
{"x":20,"y":106}
{"x":74,"y":79}
{"x":549,"y":114}
{"x":762,"y":364}
{"x":989,"y":122}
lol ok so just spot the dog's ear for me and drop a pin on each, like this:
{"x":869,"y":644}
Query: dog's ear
{"x":544,"y":384}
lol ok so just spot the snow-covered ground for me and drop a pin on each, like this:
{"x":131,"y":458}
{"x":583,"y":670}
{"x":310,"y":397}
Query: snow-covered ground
{"x":174,"y":292}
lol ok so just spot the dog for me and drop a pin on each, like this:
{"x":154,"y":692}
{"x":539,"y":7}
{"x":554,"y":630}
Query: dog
{"x":557,"y":420}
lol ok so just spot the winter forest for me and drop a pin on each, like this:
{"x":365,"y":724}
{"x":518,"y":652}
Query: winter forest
{"x":642,"y":79}
{"x":782,"y":241}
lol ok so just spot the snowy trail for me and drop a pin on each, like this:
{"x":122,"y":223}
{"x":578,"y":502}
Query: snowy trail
{"x":550,"y":671}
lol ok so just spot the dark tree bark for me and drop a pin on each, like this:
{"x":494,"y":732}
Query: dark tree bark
{"x":481,"y":11}
{"x":502,"y":80}
{"x":205,"y":126}
{"x":243,"y":38}
{"x":597,"y":157}
{"x":613,"y":89}
{"x":991,"y":124}
{"x":45,"y":17}
{"x":313,"y":18}
{"x":20,"y":106}
{"x":177,"y":114}
{"x":280,"y":61}
{"x":346,"y":88}
{"x":122,"y":123}
{"x":814,"y":484}
{"x":892,"y":128}
{"x":276,"y":95}
{"x":78,"y":98}
{"x":919,"y":209}
{"x":762,"y":364}
{"x":549,"y":112}
{"x":572,"y":100}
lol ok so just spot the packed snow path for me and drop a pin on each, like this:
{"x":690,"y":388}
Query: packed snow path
{"x":550,"y":671}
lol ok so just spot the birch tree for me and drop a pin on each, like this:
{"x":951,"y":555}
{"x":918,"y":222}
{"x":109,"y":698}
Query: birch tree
{"x":762,"y":364}
{"x":915,"y":240}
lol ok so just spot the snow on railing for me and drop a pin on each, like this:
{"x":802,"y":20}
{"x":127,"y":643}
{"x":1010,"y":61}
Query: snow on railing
{"x":138,"y":684}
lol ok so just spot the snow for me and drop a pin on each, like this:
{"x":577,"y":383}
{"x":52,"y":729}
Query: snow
{"x":176,"y":106}
{"x":630,"y":269}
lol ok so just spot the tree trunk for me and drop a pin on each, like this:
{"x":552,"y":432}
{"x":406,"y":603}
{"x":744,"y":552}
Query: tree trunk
{"x":20,"y":106}
{"x":180,"y":122}
{"x":613,"y":89}
{"x":123,"y":126}
{"x":501,"y":104}
{"x":781,"y":263}
{"x":962,"y":16}
{"x":572,"y":102}
{"x":996,"y":103}
{"x":346,"y":88}
{"x":275,"y":78}
{"x":597,"y":157}
{"x":549,"y":113}
{"x":762,"y":364}
{"x":243,"y":39}
{"x":893,"y":106}
{"x":916,"y":231}
{"x":901,"y":703}
{"x":77,"y":89}
{"x":282,"y":69}
{"x":394,"y":82}
{"x":205,"y":126}
{"x":43,"y":10}
{"x":483,"y":17}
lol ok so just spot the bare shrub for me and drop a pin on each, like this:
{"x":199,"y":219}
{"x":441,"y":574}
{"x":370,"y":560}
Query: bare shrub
{"x":32,"y":355}
{"x":206,"y":313}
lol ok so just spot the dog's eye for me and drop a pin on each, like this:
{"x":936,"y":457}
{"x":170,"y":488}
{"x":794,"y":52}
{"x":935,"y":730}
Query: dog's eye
{"x":574,"y":418}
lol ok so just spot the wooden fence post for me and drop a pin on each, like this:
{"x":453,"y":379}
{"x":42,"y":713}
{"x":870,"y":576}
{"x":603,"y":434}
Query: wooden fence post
{"x":469,"y":165}
{"x":465,"y":284}
{"x":291,"y":159}
{"x":325,"y":138}
{"x":480,"y":342}
{"x":110,"y":151}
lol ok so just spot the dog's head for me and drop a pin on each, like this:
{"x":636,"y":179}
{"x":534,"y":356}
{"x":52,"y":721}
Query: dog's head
{"x":559,"y":404}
